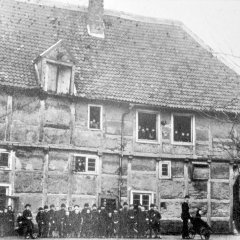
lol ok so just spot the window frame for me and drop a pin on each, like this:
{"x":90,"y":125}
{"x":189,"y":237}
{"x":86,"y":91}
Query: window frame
{"x":169,"y":163}
{"x":193,"y":130}
{"x":47,"y":61}
{"x":157,"y":141}
{"x":101,"y":110}
{"x":9,"y":167}
{"x":87,"y":156}
{"x":150,"y":193}
{"x":8,"y":190}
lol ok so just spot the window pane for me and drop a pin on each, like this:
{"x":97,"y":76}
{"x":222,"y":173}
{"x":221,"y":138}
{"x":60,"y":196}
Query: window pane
{"x":64,"y":78}
{"x":95,"y":117}
{"x":145,"y":201}
{"x":164,"y":169}
{"x":182,"y":129}
{"x":4,"y":159}
{"x":147,"y":126}
{"x":52,"y":77}
{"x":80,"y":164}
{"x":3,"y":196}
{"x":136,"y":199}
{"x":91,"y":164}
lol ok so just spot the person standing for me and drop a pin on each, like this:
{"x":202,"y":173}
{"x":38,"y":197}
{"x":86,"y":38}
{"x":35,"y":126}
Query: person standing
{"x":86,"y":221}
{"x":116,"y":223}
{"x":27,"y":221}
{"x":131,"y":221}
{"x":185,"y":216}
{"x":60,"y":215}
{"x":103,"y":217}
{"x":46,"y":221}
{"x":40,"y":221}
{"x":124,"y":220}
{"x":10,"y":221}
{"x":153,"y":221}
{"x":51,"y":220}
{"x":76,"y":219}
{"x":95,"y":222}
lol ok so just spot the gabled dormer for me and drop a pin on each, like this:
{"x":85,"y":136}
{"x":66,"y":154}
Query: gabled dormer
{"x":55,"y":69}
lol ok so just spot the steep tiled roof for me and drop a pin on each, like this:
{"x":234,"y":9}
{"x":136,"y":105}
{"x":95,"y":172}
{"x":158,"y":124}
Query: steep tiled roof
{"x":138,"y":62}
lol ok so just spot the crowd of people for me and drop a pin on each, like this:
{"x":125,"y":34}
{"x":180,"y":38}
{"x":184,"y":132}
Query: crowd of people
{"x":91,"y":222}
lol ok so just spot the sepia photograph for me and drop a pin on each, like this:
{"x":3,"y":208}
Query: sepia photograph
{"x":120,"y":119}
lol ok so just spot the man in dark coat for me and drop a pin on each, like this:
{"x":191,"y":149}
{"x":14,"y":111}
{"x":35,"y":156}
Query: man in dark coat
{"x":76,"y":219}
{"x":46,"y":221}
{"x":67,"y":225}
{"x":154,"y":218}
{"x":86,"y":221}
{"x":51,"y":220}
{"x":103,"y":218}
{"x":131,"y":219}
{"x":60,"y":215}
{"x":185,"y":217}
{"x":95,"y":221}
{"x":40,"y":221}
{"x":10,"y":221}
{"x":27,"y":221}
{"x":124,"y":221}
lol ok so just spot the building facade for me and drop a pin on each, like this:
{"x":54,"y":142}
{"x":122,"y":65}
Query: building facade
{"x":98,"y":109}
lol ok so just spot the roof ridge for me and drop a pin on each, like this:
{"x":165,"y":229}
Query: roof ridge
{"x":107,"y":12}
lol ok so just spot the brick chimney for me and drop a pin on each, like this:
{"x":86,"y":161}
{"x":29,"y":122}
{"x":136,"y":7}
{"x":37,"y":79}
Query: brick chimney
{"x":95,"y":24}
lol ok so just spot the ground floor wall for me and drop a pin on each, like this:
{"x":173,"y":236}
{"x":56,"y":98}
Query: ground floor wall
{"x":42,"y":176}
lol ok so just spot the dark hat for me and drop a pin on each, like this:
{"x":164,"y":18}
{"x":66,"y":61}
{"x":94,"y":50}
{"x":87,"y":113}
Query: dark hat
{"x":40,"y":209}
{"x":94,"y":205}
{"x":152,"y":205}
{"x":52,"y":205}
{"x":27,"y":205}
{"x":86,"y":205}
{"x":76,"y":205}
{"x":46,"y":207}
{"x":125,"y":204}
{"x":187,"y":196}
{"x":63,"y":205}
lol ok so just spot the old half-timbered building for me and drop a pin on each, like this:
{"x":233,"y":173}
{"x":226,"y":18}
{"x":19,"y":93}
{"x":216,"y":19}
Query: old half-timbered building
{"x":101,"y":105}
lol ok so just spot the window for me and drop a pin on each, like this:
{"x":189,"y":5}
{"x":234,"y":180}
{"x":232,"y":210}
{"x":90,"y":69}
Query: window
{"x":4,"y":159}
{"x":147,"y":126}
{"x":165,"y":169}
{"x":95,"y":116}
{"x":182,"y":128}
{"x":4,"y":193}
{"x":85,"y":164}
{"x":58,"y":78}
{"x":143,"y":198}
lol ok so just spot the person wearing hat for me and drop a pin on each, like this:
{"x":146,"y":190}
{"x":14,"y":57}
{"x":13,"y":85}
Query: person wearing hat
{"x":153,"y":221}
{"x":185,"y":216}
{"x":60,"y":215}
{"x":51,"y":220}
{"x":103,"y":217}
{"x":86,"y":221}
{"x":27,"y":221}
{"x":40,"y":221}
{"x":46,"y":221}
{"x":10,"y":221}
{"x":124,"y":221}
{"x":95,"y":221}
{"x":131,"y":221}
{"x":1,"y":223}
{"x":116,"y":223}
{"x":75,"y":218}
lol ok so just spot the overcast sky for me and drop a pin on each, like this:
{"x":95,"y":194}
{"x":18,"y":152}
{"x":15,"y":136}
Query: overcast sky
{"x":216,"y":22}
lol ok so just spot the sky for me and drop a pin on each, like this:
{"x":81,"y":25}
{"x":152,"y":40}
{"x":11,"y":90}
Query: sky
{"x":216,"y":22}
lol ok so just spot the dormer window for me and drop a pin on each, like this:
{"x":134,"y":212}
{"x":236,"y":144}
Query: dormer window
{"x":55,"y":69}
{"x":58,"y":78}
